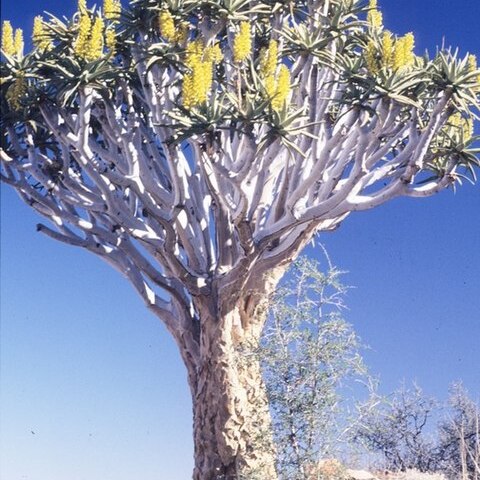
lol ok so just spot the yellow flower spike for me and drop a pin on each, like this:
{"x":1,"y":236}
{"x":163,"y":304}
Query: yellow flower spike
{"x":82,"y":6}
{"x":8,"y":44}
{"x":242,"y":43}
{"x":371,"y":57}
{"x":472,"y":63}
{"x":467,"y":129}
{"x":111,"y":9}
{"x":270,"y":86}
{"x":198,"y":83}
{"x":188,"y":92}
{"x":18,"y":42}
{"x":40,"y":37}
{"x":403,"y":55}
{"x":455,"y":120}
{"x":282,"y":89}
{"x":194,"y":53}
{"x":399,"y":54}
{"x":96,"y":41}
{"x":387,"y":49}
{"x":15,"y":93}
{"x":461,"y":124}
{"x":374,"y":16}
{"x":182,"y":33}
{"x":409,"y":45}
{"x":166,"y":25}
{"x":82,"y":43}
{"x":202,"y":80}
{"x":472,"y":67}
{"x":111,"y":40}
{"x":213,"y":54}
{"x":38,"y":32}
{"x":269,"y":59}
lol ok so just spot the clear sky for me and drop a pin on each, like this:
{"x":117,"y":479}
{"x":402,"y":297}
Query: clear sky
{"x":91,"y":385}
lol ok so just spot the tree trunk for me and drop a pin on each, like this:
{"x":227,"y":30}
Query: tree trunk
{"x":232,"y":425}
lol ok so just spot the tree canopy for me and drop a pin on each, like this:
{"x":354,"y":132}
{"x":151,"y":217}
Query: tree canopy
{"x":218,"y":129}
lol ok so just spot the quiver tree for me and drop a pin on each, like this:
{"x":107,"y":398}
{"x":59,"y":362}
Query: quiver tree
{"x":197,"y":146}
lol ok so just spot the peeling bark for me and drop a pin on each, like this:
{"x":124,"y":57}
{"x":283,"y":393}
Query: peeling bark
{"x":231,"y":417}
{"x":232,"y":424}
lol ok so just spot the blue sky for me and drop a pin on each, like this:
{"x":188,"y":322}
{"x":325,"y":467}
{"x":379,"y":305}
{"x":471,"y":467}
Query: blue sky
{"x":91,"y":385}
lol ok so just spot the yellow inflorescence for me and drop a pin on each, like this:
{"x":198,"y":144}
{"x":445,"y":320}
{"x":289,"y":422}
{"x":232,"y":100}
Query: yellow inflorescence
{"x":18,"y":42}
{"x":269,"y":59}
{"x":194,"y":53}
{"x":242,"y":43}
{"x":182,"y":33}
{"x":283,"y":88}
{"x":374,"y":16}
{"x":270,"y":86}
{"x":213,"y":54}
{"x":268,"y":67}
{"x":111,"y":40}
{"x":15,"y":93}
{"x":82,"y":6}
{"x":112,"y":9}
{"x":277,"y":87}
{"x":95,"y":49}
{"x":8,"y":44}
{"x":472,"y":63}
{"x":40,"y":37}
{"x":387,"y":49}
{"x":461,"y":124}
{"x":371,"y":57}
{"x":198,"y":82}
{"x":82,"y":43}
{"x":166,"y":25}
{"x":468,"y":130}
{"x":403,"y":55}
{"x":473,"y":67}
{"x":89,"y":43}
{"x":391,"y":54}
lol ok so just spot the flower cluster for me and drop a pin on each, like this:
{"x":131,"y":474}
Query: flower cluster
{"x":198,"y":82}
{"x":112,"y":9}
{"x":277,"y":80}
{"x":90,"y":39}
{"x":268,"y":66}
{"x":458,"y":129}
{"x":283,"y":87}
{"x":389,"y":53}
{"x":169,"y":29}
{"x":374,"y":16}
{"x":166,"y":26}
{"x":403,"y":55}
{"x":96,"y":39}
{"x":110,"y":40}
{"x":40,"y":36}
{"x":15,"y":93}
{"x":12,"y":43}
{"x":461,"y":125}
{"x":473,"y":67}
{"x":82,"y":43}
{"x":242,"y":43}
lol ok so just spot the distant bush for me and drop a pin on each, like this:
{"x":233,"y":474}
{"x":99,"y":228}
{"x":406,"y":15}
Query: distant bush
{"x":459,"y":437}
{"x":396,"y":429}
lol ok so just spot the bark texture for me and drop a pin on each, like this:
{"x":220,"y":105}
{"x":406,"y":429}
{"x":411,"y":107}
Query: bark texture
{"x":232,"y":425}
